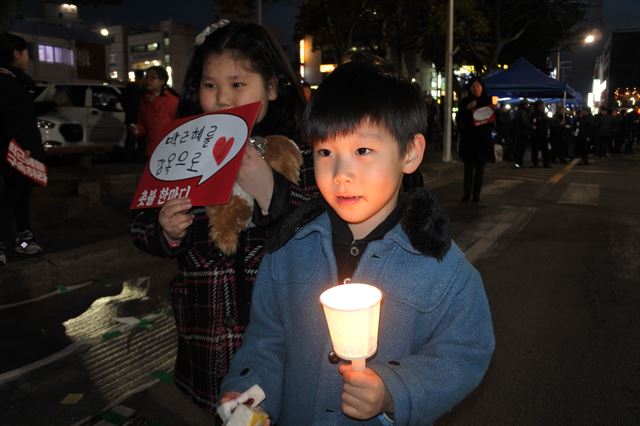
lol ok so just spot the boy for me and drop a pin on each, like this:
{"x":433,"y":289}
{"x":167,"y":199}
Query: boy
{"x":435,"y":335}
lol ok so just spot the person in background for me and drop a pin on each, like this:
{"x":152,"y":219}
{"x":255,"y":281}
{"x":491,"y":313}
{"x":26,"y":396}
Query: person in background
{"x":476,"y":144}
{"x":434,"y":137}
{"x":583,"y":134}
{"x":157,"y":108}
{"x":17,"y":122}
{"x":131,"y":96}
{"x":503,"y":130}
{"x":233,"y":64}
{"x":435,"y":337}
{"x":307,"y":92}
{"x":631,"y":119}
{"x":521,"y":132}
{"x":618,"y":130}
{"x":604,"y":131}
{"x":559,"y":145}
{"x":540,"y":135}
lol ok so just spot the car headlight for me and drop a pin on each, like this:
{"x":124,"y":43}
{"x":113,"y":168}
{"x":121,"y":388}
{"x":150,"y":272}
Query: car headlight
{"x":45,"y":124}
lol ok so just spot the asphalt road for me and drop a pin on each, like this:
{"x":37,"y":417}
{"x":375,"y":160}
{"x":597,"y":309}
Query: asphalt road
{"x":559,"y":252}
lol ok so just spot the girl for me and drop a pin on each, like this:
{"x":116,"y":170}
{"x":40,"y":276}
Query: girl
{"x":157,"y":108}
{"x":234,"y":64}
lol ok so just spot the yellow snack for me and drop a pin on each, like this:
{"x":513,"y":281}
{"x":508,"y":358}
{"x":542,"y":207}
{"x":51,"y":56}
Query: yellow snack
{"x":247,"y":416}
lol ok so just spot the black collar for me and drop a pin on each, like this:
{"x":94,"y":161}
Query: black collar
{"x":426,"y":225}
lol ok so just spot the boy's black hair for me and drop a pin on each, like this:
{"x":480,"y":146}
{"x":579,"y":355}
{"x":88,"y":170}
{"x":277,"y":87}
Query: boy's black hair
{"x":252,"y":42}
{"x":162,"y":73}
{"x":8,"y":44}
{"x":365,"y":91}
{"x":159,"y":71}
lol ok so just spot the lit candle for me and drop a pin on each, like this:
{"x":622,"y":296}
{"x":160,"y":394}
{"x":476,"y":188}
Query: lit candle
{"x":353,"y":311}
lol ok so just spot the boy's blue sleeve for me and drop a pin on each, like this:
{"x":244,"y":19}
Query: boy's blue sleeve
{"x":452,"y":363}
{"x":260,"y":358}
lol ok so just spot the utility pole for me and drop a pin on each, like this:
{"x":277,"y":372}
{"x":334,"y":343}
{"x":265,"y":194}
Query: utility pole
{"x":259,"y":12}
{"x":448,"y":97}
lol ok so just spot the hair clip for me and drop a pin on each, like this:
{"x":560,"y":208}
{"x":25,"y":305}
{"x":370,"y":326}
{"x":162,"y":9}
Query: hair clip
{"x":200,"y":38}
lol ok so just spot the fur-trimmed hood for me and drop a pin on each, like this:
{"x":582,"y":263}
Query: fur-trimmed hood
{"x":426,"y":225}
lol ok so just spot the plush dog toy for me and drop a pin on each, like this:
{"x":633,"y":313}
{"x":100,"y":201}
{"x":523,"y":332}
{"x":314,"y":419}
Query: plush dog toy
{"x":226,"y":221}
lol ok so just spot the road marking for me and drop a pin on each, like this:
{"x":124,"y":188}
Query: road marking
{"x":581,"y":194}
{"x":500,"y":186}
{"x":474,"y":252}
{"x":557,"y":178}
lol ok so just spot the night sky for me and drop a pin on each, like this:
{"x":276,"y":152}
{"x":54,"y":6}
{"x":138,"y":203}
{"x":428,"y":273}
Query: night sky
{"x":199,"y":13}
{"x":617,"y":14}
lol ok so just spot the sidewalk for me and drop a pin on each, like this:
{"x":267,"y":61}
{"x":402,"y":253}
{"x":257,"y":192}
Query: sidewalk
{"x":81,"y":219}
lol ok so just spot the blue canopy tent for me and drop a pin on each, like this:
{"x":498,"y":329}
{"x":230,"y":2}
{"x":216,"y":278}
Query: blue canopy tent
{"x":523,"y":80}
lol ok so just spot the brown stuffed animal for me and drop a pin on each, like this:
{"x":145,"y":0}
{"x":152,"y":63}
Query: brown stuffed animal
{"x":226,"y":221}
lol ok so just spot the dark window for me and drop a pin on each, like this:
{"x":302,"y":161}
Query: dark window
{"x":70,"y":96}
{"x":138,"y":48}
{"x":105,"y":98}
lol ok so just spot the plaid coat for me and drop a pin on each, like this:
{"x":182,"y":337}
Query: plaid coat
{"x":211,"y":293}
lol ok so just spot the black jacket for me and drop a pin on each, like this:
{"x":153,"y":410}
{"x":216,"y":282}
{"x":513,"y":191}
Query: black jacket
{"x":476,"y":143}
{"x":17,"y":113}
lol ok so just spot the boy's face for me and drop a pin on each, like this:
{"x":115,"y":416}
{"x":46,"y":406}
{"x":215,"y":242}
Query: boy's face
{"x":360,"y":174}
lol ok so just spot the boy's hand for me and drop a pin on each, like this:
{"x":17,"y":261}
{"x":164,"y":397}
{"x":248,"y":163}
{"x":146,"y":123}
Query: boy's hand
{"x":364,"y":394}
{"x":256,"y":178}
{"x":175,"y":219}
{"x":228,"y":396}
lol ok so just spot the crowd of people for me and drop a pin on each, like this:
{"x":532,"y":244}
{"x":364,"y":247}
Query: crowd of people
{"x":574,"y":133}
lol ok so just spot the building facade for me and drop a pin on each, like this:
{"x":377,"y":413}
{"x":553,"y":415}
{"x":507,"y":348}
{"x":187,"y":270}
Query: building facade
{"x":617,"y":72}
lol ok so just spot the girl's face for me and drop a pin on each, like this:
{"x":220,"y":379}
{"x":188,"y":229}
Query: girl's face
{"x":476,"y":89}
{"x":229,"y":82}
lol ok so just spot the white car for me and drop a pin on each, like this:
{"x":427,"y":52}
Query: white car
{"x":83,"y":116}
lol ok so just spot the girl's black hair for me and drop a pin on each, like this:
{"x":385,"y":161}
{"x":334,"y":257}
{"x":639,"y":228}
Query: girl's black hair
{"x":251,"y":42}
{"x":473,"y":80}
{"x":365,"y":91}
{"x":8,"y":44}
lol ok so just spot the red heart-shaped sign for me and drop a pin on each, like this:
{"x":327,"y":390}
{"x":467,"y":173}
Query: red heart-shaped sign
{"x":221,"y":149}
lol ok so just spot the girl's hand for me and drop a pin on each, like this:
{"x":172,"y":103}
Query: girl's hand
{"x":175,"y":219}
{"x":364,"y":394}
{"x":256,"y":178}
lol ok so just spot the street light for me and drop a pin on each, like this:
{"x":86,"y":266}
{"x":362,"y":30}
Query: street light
{"x":588,"y":39}
{"x":104,"y":32}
